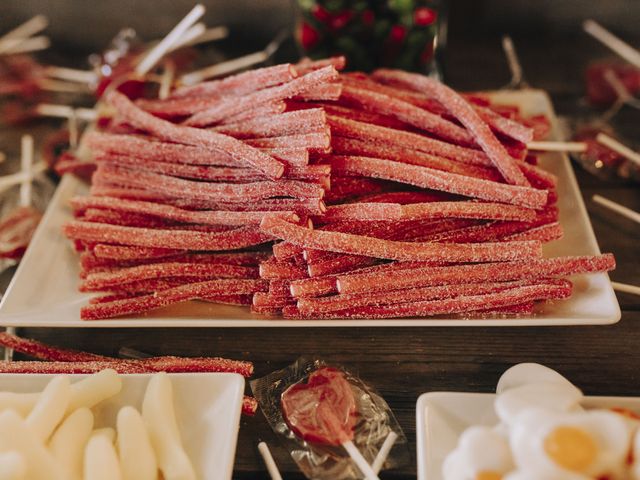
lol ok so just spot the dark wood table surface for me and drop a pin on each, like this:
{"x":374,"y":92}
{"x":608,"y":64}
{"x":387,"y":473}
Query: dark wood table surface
{"x":402,"y":363}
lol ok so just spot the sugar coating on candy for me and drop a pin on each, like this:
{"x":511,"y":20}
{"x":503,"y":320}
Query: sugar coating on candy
{"x":406,"y":112}
{"x":289,"y":123}
{"x":241,"y":83}
{"x":316,"y":140}
{"x":438,"y":180}
{"x":543,"y":233}
{"x":192,"y":136}
{"x":43,"y":351}
{"x":231,"y":106}
{"x":164,"y":298}
{"x":363,"y":211}
{"x":339,"y":265}
{"x":462,"y":110}
{"x":269,"y":108}
{"x":325,"y":92}
{"x":179,"y":239}
{"x":307,"y":65}
{"x":485,"y":272}
{"x":488,"y":211}
{"x":104,"y":280}
{"x":274,"y":269}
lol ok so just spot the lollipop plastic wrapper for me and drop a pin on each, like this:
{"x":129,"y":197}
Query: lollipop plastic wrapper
{"x":314,"y":408}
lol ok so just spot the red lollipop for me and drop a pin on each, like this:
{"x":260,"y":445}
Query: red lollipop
{"x":323,"y":411}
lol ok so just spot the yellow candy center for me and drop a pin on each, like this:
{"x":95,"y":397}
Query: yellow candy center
{"x":488,"y":475}
{"x":571,"y":448}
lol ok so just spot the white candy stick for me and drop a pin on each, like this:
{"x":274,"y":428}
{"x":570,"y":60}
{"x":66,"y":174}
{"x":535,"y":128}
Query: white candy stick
{"x":557,"y":146}
{"x":24,"y":45}
{"x":189,"y":36}
{"x":269,"y":462}
{"x":93,"y":389}
{"x":618,"y":147}
{"x":616,"y":207}
{"x":160,"y":419}
{"x":71,"y":74}
{"x":623,"y":287}
{"x":157,"y":52}
{"x":618,"y":46}
{"x":51,"y":407}
{"x":106,"y":432}
{"x":68,"y":442}
{"x":26,"y":161}
{"x":224,"y":68}
{"x":12,"y":466}
{"x":21,"y":403}
{"x":100,"y":460}
{"x":16,"y":435}
{"x":137,"y":458}
{"x":383,"y":453}
{"x":27,"y":29}
{"x":61,"y":86}
{"x":360,"y":461}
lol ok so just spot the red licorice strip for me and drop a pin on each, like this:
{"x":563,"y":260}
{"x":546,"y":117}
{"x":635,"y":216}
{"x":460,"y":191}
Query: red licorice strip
{"x":387,"y":136}
{"x":339,"y":265}
{"x":242,"y":83}
{"x":176,"y":214}
{"x":164,"y":298}
{"x":280,"y":288}
{"x":543,"y":233}
{"x":231,"y":106}
{"x":307,"y":65}
{"x":269,"y":108}
{"x":249,"y":406}
{"x":43,"y":351}
{"x":105,"y":280}
{"x":404,"y":198}
{"x":317,"y":140}
{"x":393,"y":250}
{"x":274,"y":269}
{"x":145,"y":365}
{"x":343,"y":302}
{"x":178,"y":239}
{"x":461,"y":304}
{"x":327,"y":92}
{"x":344,"y":187}
{"x":122,"y":218}
{"x":284,"y":250}
{"x":192,"y":136}
{"x":354,"y":146}
{"x":437,"y":180}
{"x":179,"y":187}
{"x":314,"y":287}
{"x":262,"y":299}
{"x":488,"y":272}
{"x":289,"y":123}
{"x":465,"y":113}
{"x":408,"y":113}
{"x":486,"y":211}
{"x":363,"y":211}
{"x":123,"y":252}
{"x":140,"y":287}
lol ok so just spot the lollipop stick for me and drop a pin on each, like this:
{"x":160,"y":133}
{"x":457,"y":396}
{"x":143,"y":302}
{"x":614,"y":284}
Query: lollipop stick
{"x":557,"y":146}
{"x":24,"y":45}
{"x":157,"y":52}
{"x":269,"y":462}
{"x":71,"y":74}
{"x":8,"y":181}
{"x":383,"y":453}
{"x":359,"y":460}
{"x":224,"y":68}
{"x":8,"y":351}
{"x":26,"y":160}
{"x":618,"y":147}
{"x":616,"y":207}
{"x":623,"y":49}
{"x":623,"y":287}
{"x":167,"y":79}
{"x":27,"y":29}
{"x":189,"y":36}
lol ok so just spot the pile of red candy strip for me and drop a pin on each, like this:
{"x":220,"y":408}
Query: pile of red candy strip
{"x":387,"y":195}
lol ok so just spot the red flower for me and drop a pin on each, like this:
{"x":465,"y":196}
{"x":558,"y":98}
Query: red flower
{"x":397,"y":34}
{"x":424,"y":16}
{"x":321,"y":13}
{"x":309,"y":36}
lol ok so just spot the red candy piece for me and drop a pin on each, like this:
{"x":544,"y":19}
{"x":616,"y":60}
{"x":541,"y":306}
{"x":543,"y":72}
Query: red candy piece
{"x":323,"y":410}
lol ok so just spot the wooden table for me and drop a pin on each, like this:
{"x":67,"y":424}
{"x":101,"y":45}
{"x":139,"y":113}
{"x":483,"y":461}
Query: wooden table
{"x":402,"y":363}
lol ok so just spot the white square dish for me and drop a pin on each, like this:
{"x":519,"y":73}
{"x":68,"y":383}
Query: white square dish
{"x":207,"y":406}
{"x":43,"y":292}
{"x":441,"y":417}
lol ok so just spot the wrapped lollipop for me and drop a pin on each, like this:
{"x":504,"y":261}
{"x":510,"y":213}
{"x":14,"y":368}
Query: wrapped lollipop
{"x":334,"y":425}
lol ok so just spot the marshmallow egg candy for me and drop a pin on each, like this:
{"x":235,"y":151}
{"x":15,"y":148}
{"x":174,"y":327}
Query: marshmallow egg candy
{"x":482,"y":454}
{"x":549,"y":444}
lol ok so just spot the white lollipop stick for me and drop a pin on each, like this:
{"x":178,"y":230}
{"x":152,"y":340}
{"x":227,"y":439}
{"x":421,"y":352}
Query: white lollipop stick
{"x":24,"y":45}
{"x":27,"y":29}
{"x":623,"y":287}
{"x":26,"y":161}
{"x":224,"y":68}
{"x":360,"y":461}
{"x":157,"y":52}
{"x":167,"y":79}
{"x":616,"y":207}
{"x":71,"y":74}
{"x":618,"y":46}
{"x":189,"y":36}
{"x":74,"y":130}
{"x":383,"y":453}
{"x":618,"y":147}
{"x":65,"y":111}
{"x":269,"y":462}
{"x":8,"y":181}
{"x":209,"y":35}
{"x":61,"y":86}
{"x":557,"y":146}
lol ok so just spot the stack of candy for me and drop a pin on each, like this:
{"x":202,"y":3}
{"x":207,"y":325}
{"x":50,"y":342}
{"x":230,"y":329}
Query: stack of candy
{"x":365,"y":179}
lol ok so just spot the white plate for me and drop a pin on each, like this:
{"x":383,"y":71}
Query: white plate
{"x":207,"y":405}
{"x":43,"y":292}
{"x":441,"y":417}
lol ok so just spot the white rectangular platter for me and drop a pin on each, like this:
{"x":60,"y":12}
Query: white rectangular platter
{"x":44,"y":290}
{"x":207,"y":406}
{"x":441,"y":417}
